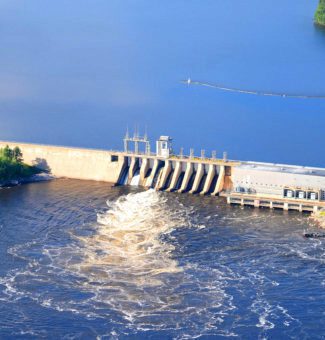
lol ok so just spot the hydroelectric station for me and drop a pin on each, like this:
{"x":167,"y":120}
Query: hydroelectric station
{"x":255,"y":184}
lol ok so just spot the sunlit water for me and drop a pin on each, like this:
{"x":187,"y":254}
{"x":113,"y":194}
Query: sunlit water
{"x":83,"y":260}
{"x":78,"y":73}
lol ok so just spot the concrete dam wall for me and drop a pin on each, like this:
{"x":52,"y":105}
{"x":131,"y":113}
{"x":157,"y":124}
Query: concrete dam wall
{"x":171,"y":174}
{"x":246,"y":183}
{"x":86,"y":164}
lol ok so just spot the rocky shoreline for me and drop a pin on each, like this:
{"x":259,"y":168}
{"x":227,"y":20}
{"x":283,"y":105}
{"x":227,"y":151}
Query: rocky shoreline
{"x":41,"y":177}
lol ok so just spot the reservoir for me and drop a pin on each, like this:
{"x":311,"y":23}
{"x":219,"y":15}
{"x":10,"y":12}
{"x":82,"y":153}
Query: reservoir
{"x":80,"y":76}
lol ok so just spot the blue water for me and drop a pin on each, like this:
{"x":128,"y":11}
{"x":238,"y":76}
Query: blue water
{"x":78,"y":73}
{"x":82,"y":260}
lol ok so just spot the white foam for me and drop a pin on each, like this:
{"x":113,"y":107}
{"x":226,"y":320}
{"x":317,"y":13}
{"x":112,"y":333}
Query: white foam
{"x":126,"y":269}
{"x":135,"y":179}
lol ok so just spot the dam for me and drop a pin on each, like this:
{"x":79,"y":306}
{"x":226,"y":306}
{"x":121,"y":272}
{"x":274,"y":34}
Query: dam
{"x":255,"y":184}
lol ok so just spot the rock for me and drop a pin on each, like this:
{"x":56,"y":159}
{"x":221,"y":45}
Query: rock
{"x":35,"y":178}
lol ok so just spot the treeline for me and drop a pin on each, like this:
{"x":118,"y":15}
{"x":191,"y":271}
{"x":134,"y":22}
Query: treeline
{"x":320,"y":13}
{"x":12,"y":166}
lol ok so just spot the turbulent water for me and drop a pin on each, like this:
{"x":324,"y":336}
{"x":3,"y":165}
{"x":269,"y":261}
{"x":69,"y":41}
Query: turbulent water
{"x":83,"y":260}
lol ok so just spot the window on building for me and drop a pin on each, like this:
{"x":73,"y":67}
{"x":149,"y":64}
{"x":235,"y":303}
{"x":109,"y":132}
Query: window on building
{"x":114,"y":158}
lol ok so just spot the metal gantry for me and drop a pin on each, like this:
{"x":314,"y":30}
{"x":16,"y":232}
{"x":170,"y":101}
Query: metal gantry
{"x":137,"y":140}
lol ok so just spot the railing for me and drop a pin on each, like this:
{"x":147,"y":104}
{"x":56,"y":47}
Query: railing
{"x":180,"y":157}
{"x":131,"y":152}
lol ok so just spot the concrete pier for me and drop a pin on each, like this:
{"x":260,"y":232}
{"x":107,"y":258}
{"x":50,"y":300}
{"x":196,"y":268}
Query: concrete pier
{"x":198,"y":178}
{"x":209,"y":179}
{"x":143,"y":170}
{"x":187,"y":177}
{"x":149,"y":181}
{"x":275,"y":203}
{"x":176,"y":174}
{"x":220,"y":181}
{"x":166,"y":171}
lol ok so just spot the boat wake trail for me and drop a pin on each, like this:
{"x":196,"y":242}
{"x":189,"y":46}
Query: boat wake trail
{"x":256,"y":93}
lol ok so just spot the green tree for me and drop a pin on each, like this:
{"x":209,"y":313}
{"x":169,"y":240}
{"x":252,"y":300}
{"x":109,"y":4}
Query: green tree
{"x":12,"y":166}
{"x":17,"y":154}
{"x":7,"y":153}
{"x":320,"y":13}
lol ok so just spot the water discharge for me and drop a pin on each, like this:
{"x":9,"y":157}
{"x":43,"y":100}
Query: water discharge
{"x":150,"y":264}
{"x":127,"y":242}
{"x":125,"y":256}
{"x":125,"y":269}
{"x":135,"y":179}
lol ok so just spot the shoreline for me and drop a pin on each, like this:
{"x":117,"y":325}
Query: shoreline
{"x":319,"y":24}
{"x":41,"y":177}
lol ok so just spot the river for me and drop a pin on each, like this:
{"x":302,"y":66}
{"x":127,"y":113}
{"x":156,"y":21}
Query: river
{"x":84,"y":260}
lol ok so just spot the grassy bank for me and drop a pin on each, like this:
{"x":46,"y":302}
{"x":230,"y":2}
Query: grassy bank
{"x":12,"y":166}
{"x":320,"y":13}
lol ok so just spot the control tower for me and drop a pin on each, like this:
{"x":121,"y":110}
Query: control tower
{"x":164,"y":147}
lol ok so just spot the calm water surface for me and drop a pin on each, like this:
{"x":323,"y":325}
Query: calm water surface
{"x":78,"y":72}
{"x":83,"y":260}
